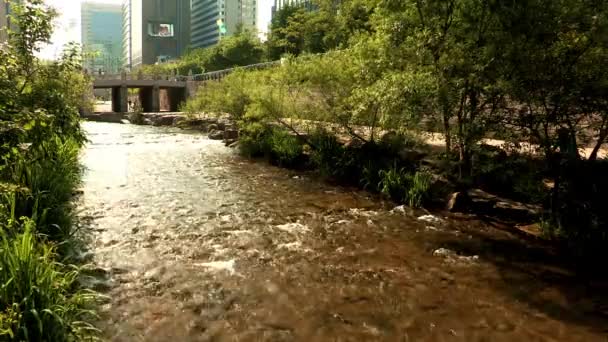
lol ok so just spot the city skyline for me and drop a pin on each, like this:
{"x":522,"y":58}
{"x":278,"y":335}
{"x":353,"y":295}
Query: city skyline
{"x":68,"y":23}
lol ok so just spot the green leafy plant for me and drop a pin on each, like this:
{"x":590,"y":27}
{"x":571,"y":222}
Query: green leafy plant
{"x":37,"y":298}
{"x":419,"y":189}
{"x":285,"y":147}
{"x":394,"y":183}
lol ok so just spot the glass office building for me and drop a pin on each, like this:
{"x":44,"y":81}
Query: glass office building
{"x":213,"y":19}
{"x":154,"y":31}
{"x":101,"y":36}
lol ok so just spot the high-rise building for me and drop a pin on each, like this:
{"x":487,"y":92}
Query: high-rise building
{"x":214,"y":19}
{"x":278,"y":4}
{"x":5,"y":20}
{"x":101,"y":36}
{"x":154,"y":31}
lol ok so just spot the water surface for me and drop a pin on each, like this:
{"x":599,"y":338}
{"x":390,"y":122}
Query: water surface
{"x":202,"y":245}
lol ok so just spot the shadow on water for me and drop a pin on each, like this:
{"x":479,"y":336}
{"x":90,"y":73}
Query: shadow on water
{"x":535,"y":272}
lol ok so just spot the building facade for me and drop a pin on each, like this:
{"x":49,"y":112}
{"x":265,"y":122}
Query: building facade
{"x":101,"y":36}
{"x":214,"y":19}
{"x":5,"y":19}
{"x":278,"y":4}
{"x":154,"y":31}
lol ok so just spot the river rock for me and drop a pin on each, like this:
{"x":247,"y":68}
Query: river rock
{"x":410,"y":155}
{"x":178,"y":120}
{"x":212,"y":127}
{"x":231,"y":134}
{"x":459,"y":202}
{"x":165,"y":120}
{"x":216,"y":134}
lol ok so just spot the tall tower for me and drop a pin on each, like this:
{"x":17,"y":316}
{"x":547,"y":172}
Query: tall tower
{"x":101,"y":36}
{"x":208,"y":15}
{"x":5,"y":20}
{"x":154,"y":30}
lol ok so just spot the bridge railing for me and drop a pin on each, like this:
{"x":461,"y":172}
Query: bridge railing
{"x":213,"y":75}
{"x":137,"y":76}
{"x":219,"y":74}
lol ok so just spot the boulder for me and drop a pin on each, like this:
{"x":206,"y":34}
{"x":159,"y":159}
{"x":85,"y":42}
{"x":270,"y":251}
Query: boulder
{"x":216,"y":134}
{"x":231,"y":134}
{"x":165,"y":120}
{"x":212,"y":127}
{"x":459,"y":202}
{"x":229,"y":142}
{"x":178,"y":120}
{"x":484,"y":203}
{"x":410,"y":155}
{"x":353,"y":144}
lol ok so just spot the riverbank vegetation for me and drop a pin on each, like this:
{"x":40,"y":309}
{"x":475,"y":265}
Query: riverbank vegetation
{"x":527,"y":75}
{"x":40,"y":298}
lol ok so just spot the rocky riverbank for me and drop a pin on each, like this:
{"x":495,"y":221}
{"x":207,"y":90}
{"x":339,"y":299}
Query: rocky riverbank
{"x":217,"y":127}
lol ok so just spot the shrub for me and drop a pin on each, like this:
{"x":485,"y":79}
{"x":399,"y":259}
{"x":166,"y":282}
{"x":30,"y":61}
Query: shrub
{"x":286,"y":149}
{"x":327,"y":153}
{"x":579,"y":208}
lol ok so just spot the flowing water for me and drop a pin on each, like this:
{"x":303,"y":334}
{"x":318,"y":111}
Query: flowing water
{"x":198,"y":244}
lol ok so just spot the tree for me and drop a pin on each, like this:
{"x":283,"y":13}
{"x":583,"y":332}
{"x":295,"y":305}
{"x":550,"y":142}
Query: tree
{"x":240,"y":49}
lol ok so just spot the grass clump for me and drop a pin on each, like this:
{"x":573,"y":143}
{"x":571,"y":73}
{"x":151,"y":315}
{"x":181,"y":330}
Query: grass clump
{"x":38,"y":301}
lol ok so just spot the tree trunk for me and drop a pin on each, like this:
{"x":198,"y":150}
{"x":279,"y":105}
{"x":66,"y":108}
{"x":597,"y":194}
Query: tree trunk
{"x":446,"y":133}
{"x":598,"y":145}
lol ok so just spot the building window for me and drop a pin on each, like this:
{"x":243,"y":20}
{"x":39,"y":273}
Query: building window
{"x":160,"y":30}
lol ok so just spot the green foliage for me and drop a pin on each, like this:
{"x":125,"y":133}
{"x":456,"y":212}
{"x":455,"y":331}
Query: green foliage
{"x":394,"y":183}
{"x":37,"y":298}
{"x":285,"y":147}
{"x":228,"y":96}
{"x":327,"y":153}
{"x":40,"y":137}
{"x":254,"y":139}
{"x":241,"y":49}
{"x":419,"y":189}
{"x":405,"y":187}
{"x":471,"y":69}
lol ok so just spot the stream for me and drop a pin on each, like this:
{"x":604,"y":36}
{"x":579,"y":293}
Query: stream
{"x":199,"y":244}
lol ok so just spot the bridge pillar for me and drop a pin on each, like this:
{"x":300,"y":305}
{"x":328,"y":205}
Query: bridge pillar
{"x":176,"y":97}
{"x":149,"y":97}
{"x":120,"y":101}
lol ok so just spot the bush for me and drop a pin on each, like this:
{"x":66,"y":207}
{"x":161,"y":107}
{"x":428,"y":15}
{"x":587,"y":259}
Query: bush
{"x":229,"y":95}
{"x":37,"y":298}
{"x":327,"y":153}
{"x":254,"y":140}
{"x":579,"y":214}
{"x":405,"y":187}
{"x":286,"y":148}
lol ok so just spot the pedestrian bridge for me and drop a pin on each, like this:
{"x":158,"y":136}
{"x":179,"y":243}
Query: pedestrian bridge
{"x":176,"y":88}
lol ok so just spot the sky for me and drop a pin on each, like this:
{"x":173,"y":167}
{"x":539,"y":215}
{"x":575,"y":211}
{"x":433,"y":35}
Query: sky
{"x":67,"y":25}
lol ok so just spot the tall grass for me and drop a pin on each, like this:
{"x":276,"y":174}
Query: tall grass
{"x":51,"y":172}
{"x":38,"y":301}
